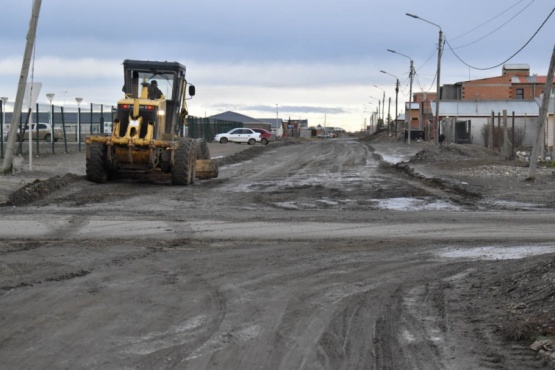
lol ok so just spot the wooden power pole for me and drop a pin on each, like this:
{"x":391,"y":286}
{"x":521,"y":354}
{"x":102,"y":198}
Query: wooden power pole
{"x":543,"y":117}
{"x":16,"y":115}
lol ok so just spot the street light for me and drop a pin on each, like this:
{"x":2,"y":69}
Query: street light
{"x":396,"y":97}
{"x":371,"y":117}
{"x":379,"y":106}
{"x":64,"y":92}
{"x":411,"y":74}
{"x":383,"y":102}
{"x":439,"y":52}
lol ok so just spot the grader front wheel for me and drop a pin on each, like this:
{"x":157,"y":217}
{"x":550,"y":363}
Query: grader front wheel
{"x":184,"y":163}
{"x":96,"y":163}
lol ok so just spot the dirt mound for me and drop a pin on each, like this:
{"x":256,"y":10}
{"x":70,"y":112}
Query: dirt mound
{"x":454,"y":153}
{"x":530,"y":301}
{"x":39,"y":189}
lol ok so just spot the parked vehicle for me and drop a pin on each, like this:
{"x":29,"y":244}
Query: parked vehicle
{"x":265,"y":136}
{"x":44,"y":133}
{"x":239,"y":135}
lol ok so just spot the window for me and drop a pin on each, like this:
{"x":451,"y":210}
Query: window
{"x":519,"y":94}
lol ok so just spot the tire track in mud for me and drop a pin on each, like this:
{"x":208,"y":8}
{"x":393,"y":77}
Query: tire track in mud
{"x":436,"y":323}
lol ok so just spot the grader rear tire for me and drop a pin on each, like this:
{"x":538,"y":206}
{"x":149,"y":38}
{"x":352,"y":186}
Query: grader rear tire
{"x":184,"y":163}
{"x":96,"y":163}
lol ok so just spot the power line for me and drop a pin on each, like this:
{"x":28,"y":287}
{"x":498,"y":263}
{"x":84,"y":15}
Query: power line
{"x":509,"y":58}
{"x":495,"y":30}
{"x":492,"y":19}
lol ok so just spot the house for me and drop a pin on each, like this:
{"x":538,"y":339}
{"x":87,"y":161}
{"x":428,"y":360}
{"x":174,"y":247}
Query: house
{"x":478,"y":98}
{"x":462,"y":121}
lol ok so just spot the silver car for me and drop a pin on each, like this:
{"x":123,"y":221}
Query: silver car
{"x":44,"y":132}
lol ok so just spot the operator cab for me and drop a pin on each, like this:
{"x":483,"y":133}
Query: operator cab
{"x":162,"y":110}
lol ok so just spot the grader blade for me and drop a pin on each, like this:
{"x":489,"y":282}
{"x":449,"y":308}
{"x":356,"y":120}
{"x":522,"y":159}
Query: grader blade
{"x":206,"y":169}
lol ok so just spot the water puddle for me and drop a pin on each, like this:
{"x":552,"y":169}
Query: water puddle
{"x":414,"y":204}
{"x":496,"y":252}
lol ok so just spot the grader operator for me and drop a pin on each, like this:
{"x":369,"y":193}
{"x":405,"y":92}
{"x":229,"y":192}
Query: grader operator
{"x":145,"y":132}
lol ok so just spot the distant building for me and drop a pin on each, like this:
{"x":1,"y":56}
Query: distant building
{"x":463,"y":121}
{"x":515,"y":83}
{"x":476,"y":99}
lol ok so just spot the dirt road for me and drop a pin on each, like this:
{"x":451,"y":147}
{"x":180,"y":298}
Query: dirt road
{"x":305,"y":256}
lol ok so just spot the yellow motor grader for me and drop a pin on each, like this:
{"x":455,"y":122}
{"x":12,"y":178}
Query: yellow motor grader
{"x":145,"y":131}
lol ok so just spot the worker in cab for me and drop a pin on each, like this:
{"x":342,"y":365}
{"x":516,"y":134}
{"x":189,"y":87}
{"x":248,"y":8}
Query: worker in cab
{"x":153,"y":91}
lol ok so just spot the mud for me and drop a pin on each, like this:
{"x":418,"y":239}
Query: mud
{"x":312,"y":254}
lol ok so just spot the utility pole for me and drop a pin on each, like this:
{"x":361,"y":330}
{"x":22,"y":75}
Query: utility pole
{"x":8,"y":159}
{"x":389,"y":116}
{"x":438,"y":88}
{"x":409,"y":128}
{"x":411,"y":75}
{"x":396,"y":100}
{"x":383,"y":104}
{"x":543,"y":118}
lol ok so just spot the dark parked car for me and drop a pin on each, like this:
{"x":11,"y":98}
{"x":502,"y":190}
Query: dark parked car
{"x":265,"y":136}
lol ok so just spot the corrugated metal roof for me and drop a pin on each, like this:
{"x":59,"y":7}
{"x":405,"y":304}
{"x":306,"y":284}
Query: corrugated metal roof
{"x":484,"y":108}
{"x":233,"y":116}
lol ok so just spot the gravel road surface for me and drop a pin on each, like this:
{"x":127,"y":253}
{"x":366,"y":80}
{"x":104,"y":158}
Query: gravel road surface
{"x":318,"y":254}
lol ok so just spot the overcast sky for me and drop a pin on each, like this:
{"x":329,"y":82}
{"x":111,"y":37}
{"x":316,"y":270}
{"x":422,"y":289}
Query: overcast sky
{"x":315,"y":59}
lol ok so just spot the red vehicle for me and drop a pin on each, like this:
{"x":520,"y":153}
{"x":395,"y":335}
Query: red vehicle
{"x":265,"y":136}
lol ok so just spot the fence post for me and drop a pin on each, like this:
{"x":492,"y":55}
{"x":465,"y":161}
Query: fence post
{"x":101,"y":123}
{"x":91,"y":126}
{"x":64,"y":129}
{"x":37,"y":126}
{"x":513,"y":139}
{"x":52,"y":123}
{"x":79,"y":128}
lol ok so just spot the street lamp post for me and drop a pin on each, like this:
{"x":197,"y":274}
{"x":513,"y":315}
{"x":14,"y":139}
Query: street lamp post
{"x":439,"y":53}
{"x":411,"y":75}
{"x":396,"y":97}
{"x":379,"y":106}
{"x":370,"y":126}
{"x":383,"y":102}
